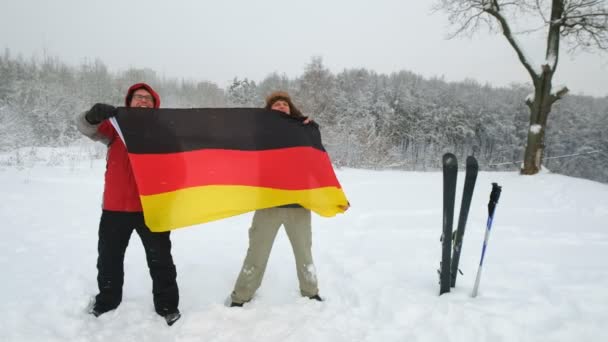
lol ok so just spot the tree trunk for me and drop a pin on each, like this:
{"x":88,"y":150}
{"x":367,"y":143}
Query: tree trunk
{"x":533,"y":154}
{"x":540,"y":107}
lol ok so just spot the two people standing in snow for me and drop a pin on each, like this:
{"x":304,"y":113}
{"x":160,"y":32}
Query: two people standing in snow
{"x":122,"y":213}
{"x":116,"y":225}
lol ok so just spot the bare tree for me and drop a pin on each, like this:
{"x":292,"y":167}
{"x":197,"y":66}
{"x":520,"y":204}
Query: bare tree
{"x":580,"y":24}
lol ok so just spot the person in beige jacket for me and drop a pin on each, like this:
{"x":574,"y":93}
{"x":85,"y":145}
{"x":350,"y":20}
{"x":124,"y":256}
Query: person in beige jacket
{"x":264,"y":228}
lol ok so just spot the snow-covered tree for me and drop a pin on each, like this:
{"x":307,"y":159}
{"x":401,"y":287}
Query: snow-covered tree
{"x":243,"y":93}
{"x":314,"y":92}
{"x":581,"y":24}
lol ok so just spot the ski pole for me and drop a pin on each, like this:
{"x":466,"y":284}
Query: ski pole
{"x":494,"y":195}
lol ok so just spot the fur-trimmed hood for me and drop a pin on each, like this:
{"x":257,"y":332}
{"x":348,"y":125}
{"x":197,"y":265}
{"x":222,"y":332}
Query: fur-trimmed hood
{"x":283,"y":95}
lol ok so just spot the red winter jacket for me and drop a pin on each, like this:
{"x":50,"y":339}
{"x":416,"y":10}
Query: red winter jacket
{"x":120,"y":190}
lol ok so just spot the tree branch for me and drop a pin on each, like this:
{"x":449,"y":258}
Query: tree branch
{"x":506,"y":31}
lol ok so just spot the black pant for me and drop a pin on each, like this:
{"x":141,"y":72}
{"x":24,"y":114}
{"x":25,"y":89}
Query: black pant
{"x":115,"y":229}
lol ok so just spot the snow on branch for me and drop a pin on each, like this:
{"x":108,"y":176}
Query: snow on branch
{"x":560,"y":91}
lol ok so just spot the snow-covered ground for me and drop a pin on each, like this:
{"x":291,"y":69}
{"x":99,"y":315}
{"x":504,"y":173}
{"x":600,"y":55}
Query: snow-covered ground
{"x":545,"y":275}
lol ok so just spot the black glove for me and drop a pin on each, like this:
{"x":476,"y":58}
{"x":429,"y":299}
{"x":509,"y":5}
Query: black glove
{"x":100,"y":112}
{"x":310,"y":122}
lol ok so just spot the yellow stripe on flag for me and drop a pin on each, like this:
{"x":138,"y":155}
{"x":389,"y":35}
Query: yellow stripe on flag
{"x":190,"y":206}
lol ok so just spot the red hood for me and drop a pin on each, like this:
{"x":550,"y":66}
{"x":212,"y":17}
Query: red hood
{"x":136,"y":86}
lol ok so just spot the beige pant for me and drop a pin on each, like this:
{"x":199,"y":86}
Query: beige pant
{"x":264,"y":228}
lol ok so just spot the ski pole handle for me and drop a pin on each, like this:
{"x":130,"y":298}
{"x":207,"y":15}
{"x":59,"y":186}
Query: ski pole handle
{"x":494,"y":196}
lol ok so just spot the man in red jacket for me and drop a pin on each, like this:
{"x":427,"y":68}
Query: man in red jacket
{"x":122,"y":213}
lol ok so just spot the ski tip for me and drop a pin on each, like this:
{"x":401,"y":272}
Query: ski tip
{"x":472,"y":162}
{"x":449,"y":159}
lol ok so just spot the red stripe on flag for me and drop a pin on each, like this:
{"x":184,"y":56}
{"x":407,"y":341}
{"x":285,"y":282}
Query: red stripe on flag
{"x":293,"y":168}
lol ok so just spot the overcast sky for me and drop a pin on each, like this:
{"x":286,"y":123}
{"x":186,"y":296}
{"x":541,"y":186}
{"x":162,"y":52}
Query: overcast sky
{"x":217,"y":40}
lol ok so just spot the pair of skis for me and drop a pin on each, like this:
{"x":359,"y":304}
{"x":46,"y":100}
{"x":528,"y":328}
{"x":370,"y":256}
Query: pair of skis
{"x":450,"y":255}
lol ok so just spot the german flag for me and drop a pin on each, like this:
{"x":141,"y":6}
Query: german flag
{"x":203,"y":164}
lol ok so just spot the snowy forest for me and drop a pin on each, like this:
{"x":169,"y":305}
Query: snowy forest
{"x":399,"y":121}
